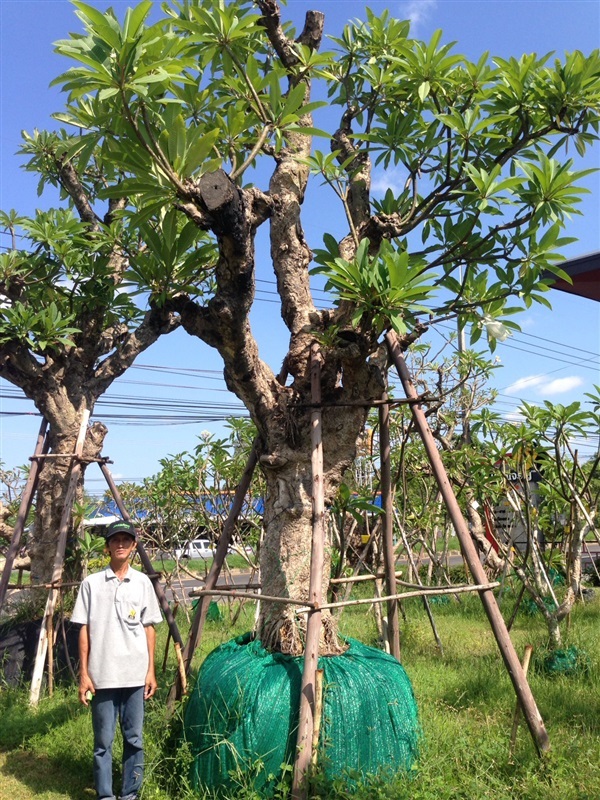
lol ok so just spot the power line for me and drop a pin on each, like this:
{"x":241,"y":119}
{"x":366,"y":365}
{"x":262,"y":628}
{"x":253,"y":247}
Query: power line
{"x":555,"y":357}
{"x":560,"y":344}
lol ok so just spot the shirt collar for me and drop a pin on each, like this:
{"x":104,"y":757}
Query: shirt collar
{"x":109,"y":574}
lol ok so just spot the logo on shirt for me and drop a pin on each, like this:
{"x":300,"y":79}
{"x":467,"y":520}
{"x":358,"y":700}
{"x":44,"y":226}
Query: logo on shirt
{"x":132,"y":615}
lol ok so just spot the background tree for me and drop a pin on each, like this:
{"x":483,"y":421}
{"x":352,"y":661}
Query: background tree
{"x":70,"y":323}
{"x":551,"y":494}
{"x":190,"y":498}
{"x":217,"y":93}
{"x":12,"y":482}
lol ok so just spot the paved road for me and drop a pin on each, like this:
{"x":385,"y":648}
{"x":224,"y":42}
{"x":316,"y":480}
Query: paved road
{"x":239,"y":578}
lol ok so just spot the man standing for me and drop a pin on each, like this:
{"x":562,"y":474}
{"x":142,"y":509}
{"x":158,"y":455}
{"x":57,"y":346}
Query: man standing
{"x":117,"y":609}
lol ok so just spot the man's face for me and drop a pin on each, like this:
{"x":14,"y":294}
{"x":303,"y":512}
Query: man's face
{"x":120,"y":546}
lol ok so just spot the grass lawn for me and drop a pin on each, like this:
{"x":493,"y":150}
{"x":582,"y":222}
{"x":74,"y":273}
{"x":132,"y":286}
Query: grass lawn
{"x":465,"y":700}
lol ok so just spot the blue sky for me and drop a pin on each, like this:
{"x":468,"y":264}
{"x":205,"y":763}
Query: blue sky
{"x":556,"y":356}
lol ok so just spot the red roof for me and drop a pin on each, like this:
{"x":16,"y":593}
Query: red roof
{"x":585,"y":273}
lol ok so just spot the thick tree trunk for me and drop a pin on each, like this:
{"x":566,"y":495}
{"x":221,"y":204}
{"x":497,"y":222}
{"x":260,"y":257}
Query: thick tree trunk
{"x":286,"y":550}
{"x":53,"y":482}
{"x":285,"y":561}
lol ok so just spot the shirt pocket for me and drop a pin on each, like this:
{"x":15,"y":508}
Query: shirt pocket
{"x":130,"y":611}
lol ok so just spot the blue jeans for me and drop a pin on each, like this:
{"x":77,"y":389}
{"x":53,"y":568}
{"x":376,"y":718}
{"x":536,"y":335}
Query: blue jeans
{"x":127,"y":705}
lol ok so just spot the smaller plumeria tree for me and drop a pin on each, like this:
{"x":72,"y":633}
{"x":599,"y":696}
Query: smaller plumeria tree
{"x":557,"y":509}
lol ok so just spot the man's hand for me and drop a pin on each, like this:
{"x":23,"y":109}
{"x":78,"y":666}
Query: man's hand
{"x":86,"y":688}
{"x":150,"y":685}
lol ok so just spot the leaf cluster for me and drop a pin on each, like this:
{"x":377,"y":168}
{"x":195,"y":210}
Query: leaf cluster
{"x":389,"y":288}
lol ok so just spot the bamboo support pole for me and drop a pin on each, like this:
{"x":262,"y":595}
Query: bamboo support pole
{"x":517,"y":714}
{"x":88,"y":460}
{"x":306,"y":720}
{"x":433,"y":592}
{"x":449,"y":587}
{"x":41,"y":446}
{"x":505,"y":645}
{"x":50,"y":633}
{"x":426,"y":605}
{"x":318,"y":716}
{"x":177,"y":690}
{"x":147,"y":564}
{"x":305,"y":608}
{"x":393,"y":630}
{"x":234,"y":593}
{"x":371,"y":577}
{"x":42,"y":648}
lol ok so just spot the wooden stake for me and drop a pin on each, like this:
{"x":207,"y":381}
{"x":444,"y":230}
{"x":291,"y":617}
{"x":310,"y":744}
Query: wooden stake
{"x":517,"y":714}
{"x":26,"y":500}
{"x":411,"y":560}
{"x":505,"y":645}
{"x":177,"y":690}
{"x":59,"y":558}
{"x":306,"y":721}
{"x":318,"y":716}
{"x":388,"y":528}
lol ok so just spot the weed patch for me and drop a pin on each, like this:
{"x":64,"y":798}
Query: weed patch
{"x":465,"y":701}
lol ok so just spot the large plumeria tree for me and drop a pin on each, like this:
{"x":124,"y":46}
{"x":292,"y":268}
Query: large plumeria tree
{"x":209,"y":113}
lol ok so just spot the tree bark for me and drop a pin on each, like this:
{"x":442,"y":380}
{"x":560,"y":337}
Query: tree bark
{"x":52,"y":487}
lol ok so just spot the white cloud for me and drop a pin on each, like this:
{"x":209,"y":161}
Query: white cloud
{"x":526,"y":322}
{"x":383,"y":180}
{"x":544,"y":387}
{"x":417,"y":11}
{"x":523,"y":384}
{"x":514,"y":416}
{"x":562,"y":385}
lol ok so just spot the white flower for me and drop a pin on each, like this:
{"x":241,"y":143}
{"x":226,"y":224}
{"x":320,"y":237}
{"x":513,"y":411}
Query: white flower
{"x":495,"y":329}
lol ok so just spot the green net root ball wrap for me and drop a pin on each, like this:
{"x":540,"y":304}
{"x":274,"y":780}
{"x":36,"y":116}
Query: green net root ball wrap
{"x":242,"y":716}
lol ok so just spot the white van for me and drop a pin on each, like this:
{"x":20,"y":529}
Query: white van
{"x":197,"y":548}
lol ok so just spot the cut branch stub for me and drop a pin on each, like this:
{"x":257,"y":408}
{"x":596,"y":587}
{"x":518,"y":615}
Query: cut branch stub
{"x":225,"y":203}
{"x":216,"y":190}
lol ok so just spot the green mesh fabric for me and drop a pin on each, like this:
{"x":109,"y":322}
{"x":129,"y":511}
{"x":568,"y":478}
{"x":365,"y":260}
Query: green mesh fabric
{"x":243,"y":713}
{"x":571,"y":661}
{"x":530,"y":608}
{"x":214,"y":613}
{"x":556,"y":577}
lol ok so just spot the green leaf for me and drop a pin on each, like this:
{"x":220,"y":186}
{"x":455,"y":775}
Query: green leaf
{"x":199,"y":150}
{"x":103,"y":25}
{"x":135,"y":17}
{"x":424,"y":90}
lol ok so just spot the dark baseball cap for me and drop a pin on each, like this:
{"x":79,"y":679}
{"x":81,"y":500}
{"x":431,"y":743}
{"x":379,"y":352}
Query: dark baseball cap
{"x":121,"y":526}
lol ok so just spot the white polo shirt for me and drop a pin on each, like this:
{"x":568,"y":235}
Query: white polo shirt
{"x":116,"y":613}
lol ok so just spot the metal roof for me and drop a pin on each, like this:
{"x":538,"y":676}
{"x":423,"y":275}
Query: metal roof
{"x":585,"y":273}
